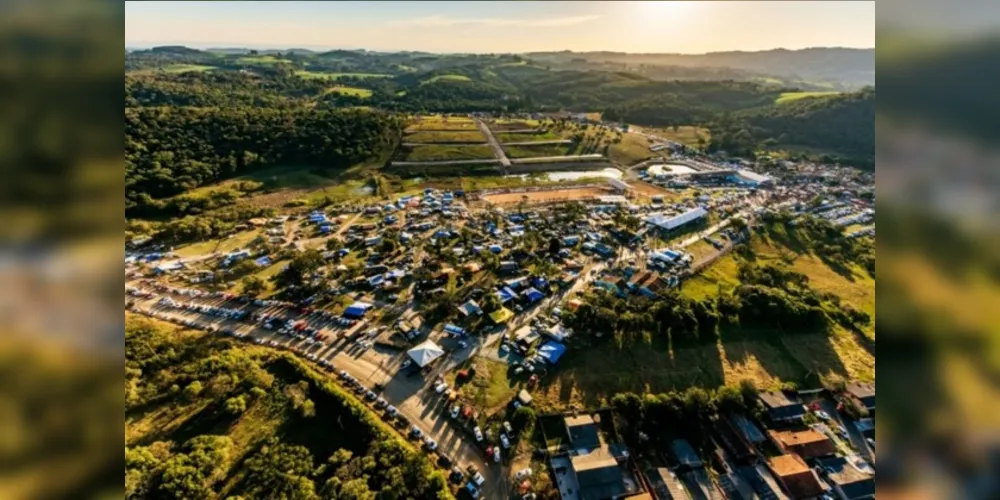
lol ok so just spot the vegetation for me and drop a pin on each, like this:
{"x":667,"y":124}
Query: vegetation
{"x":206,"y":418}
{"x":794,"y":96}
{"x":444,"y":152}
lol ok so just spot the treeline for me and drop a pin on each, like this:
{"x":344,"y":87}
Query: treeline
{"x":286,"y":431}
{"x":269,"y":88}
{"x":172,"y":150}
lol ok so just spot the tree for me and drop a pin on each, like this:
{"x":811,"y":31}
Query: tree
{"x":253,"y":286}
{"x":236,"y":405}
{"x":193,"y":390}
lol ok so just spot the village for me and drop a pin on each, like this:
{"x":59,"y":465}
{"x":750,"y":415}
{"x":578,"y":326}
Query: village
{"x":401,"y":299}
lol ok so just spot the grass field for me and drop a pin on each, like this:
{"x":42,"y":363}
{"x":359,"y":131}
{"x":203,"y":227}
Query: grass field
{"x":265,"y":60}
{"x":794,"y":96}
{"x":491,"y":388}
{"x":444,"y":152}
{"x":686,"y":135}
{"x":436,"y":122}
{"x":223,"y":245}
{"x":184,"y":68}
{"x":504,"y":137}
{"x":446,"y":78}
{"x":537,"y":151}
{"x":355,"y":91}
{"x":333,"y":76}
{"x":501,"y":125}
{"x":454,"y":136}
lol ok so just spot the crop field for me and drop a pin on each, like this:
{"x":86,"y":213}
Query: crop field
{"x":794,"y":96}
{"x":355,"y":91}
{"x":538,"y":151}
{"x":446,"y":78}
{"x":505,"y":137}
{"x":444,"y":152}
{"x":453,"y":136}
{"x":333,"y":76}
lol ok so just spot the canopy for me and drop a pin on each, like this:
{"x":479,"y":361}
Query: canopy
{"x":501,"y":315}
{"x":425,"y":353}
{"x":506,"y":294}
{"x":533,"y":295}
{"x":454,"y":330}
{"x":357,"y":310}
{"x":552,"y":351}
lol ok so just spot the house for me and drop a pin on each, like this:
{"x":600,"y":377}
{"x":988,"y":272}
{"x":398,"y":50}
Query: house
{"x":863,"y":395}
{"x":357,"y":310}
{"x":782,"y":407}
{"x":733,"y":441}
{"x":667,"y":486}
{"x":848,"y":482}
{"x":532,"y":295}
{"x":583,"y":433}
{"x":807,"y":443}
{"x":685,"y":454}
{"x":795,"y":477}
{"x":598,"y":476}
{"x":526,"y":336}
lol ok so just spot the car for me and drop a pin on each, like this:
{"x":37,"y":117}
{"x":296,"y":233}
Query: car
{"x":497,"y":455}
{"x":445,"y":460}
{"x":381,"y":403}
{"x":371,"y":396}
{"x":441,"y":387}
{"x":504,"y":441}
{"x":842,"y":431}
{"x":523,"y":473}
{"x":416,"y":432}
{"x":406,"y":364}
{"x":455,"y":410}
{"x":473,"y":491}
{"x":479,"y":434}
{"x":463,"y":344}
{"x":822,"y":415}
{"x":476,"y":476}
{"x":456,"y":474}
{"x":430,"y":444}
{"x":508,"y":428}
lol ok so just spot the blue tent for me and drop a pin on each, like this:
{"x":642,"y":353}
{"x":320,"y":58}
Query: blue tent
{"x":552,"y":351}
{"x":454,"y":330}
{"x":506,"y":294}
{"x":541,"y":283}
{"x":357,"y":310}
{"x":533,"y":295}
{"x":496,"y":248}
{"x":263,"y":261}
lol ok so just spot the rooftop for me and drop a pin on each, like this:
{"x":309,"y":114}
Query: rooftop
{"x":788,"y":465}
{"x":598,"y":475}
{"x":778,"y":399}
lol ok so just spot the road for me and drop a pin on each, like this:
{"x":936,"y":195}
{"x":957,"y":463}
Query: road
{"x":494,"y":143}
{"x":410,"y":395}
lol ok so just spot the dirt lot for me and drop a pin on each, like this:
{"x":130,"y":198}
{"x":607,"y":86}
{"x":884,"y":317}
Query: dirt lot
{"x":546,"y":196}
{"x":646,"y":189}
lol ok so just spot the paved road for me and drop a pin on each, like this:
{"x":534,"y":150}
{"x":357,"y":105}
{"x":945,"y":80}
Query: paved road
{"x":494,"y":143}
{"x":410,"y":395}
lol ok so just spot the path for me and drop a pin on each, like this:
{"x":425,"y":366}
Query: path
{"x":494,"y":143}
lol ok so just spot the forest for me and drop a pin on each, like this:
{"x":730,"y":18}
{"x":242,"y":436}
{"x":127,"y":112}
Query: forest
{"x":206,"y":418}
{"x":169,"y":150}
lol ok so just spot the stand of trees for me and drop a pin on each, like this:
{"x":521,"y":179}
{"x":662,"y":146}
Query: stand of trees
{"x":171,"y":150}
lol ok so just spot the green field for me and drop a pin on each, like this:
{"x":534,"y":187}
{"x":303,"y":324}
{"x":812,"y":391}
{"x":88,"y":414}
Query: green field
{"x":537,"y":151}
{"x":686,"y":135}
{"x":499,"y":126}
{"x":444,"y":152}
{"x":333,"y":76}
{"x":447,"y":78}
{"x":505,"y":137}
{"x":184,"y":68}
{"x":794,"y":96}
{"x":456,"y":136}
{"x":354,"y":91}
{"x":222,"y":245}
{"x":264,"y":60}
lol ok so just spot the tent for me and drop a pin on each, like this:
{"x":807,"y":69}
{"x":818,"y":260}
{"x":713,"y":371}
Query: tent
{"x":425,"y":353}
{"x":533,"y":295}
{"x":455,"y":330}
{"x":469,"y":308}
{"x":501,"y":315}
{"x":552,"y":351}
{"x":506,"y":295}
{"x":357,"y":310}
{"x":263,"y":261}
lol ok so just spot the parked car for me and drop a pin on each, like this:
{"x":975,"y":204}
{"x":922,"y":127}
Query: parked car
{"x":508,"y":428}
{"x":416,"y":432}
{"x":504,"y":441}
{"x":430,"y":444}
{"x":455,"y":410}
{"x":479,"y":434}
{"x":523,"y":473}
{"x":822,"y":415}
{"x":473,"y":491}
{"x":476,"y":476}
{"x":871,"y":442}
{"x":456,"y":474}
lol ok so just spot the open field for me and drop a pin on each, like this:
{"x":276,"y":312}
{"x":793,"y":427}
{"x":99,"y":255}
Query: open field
{"x":444,"y":152}
{"x":442,"y":123}
{"x":333,"y":76}
{"x":590,"y":376}
{"x":490,"y":389}
{"x":501,"y":125}
{"x":447,"y":78}
{"x":184,"y":68}
{"x":720,"y":276}
{"x":538,"y":151}
{"x":222,"y":245}
{"x":265,"y":60}
{"x":505,"y":137}
{"x":546,"y":196}
{"x":455,"y":136}
{"x":794,"y":96}
{"x":355,"y":91}
{"x":686,"y":135}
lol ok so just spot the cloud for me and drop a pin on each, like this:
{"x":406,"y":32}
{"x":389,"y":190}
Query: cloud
{"x":438,"y":21}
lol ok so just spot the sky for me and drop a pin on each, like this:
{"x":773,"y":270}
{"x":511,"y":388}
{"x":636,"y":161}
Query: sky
{"x":483,"y":27}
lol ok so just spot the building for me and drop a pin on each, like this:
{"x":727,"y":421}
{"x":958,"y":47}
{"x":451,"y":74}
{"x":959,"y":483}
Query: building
{"x":598,"y":476}
{"x":863,"y":394}
{"x":782,"y":407}
{"x":685,"y":454}
{"x":733,"y":441}
{"x":753,"y":179}
{"x":667,"y":486}
{"x":583,"y":433}
{"x":669,"y":223}
{"x":795,"y":477}
{"x":847,"y":481}
{"x":807,"y":443}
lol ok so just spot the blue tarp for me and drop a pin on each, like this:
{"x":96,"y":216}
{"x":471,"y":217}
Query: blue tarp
{"x":263,"y":261}
{"x":506,"y":294}
{"x":541,"y":283}
{"x":533,"y":295}
{"x":552,"y":351}
{"x":496,"y":248}
{"x":454,"y":330}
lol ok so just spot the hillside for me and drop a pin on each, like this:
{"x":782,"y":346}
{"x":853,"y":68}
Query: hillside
{"x":207,"y":418}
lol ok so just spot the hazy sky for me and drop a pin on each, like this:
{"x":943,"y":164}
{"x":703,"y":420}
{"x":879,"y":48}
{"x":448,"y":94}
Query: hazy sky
{"x":685,"y":27}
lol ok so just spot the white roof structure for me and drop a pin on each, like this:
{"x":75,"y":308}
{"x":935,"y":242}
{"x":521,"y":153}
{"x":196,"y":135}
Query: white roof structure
{"x":670,"y":223}
{"x":425,"y":353}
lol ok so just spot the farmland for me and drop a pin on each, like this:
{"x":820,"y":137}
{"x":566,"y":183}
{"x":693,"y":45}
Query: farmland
{"x":794,"y":96}
{"x":454,"y":136}
{"x":444,"y":152}
{"x":262,"y":60}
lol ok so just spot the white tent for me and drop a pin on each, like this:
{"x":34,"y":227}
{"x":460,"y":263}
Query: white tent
{"x":425,"y":353}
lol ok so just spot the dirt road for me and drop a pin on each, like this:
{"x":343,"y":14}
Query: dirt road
{"x":494,"y":143}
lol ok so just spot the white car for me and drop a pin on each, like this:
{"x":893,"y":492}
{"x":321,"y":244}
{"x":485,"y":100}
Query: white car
{"x":441,"y":387}
{"x":504,"y":441}
{"x":430,"y":444}
{"x":523,"y":473}
{"x":508,"y":428}
{"x":478,"y":478}
{"x":822,"y":415}
{"x":455,"y":410}
{"x":479,"y":434}
{"x":497,"y":455}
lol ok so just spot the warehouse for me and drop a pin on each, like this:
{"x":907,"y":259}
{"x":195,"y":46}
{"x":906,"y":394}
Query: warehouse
{"x":669,"y":223}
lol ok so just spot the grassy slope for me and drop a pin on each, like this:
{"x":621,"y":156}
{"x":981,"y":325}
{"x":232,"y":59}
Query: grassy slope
{"x":537,"y":151}
{"x":449,"y":152}
{"x":794,"y":96}
{"x":334,"y":76}
{"x":451,"y":78}
{"x":355,"y":91}
{"x":455,"y":136}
